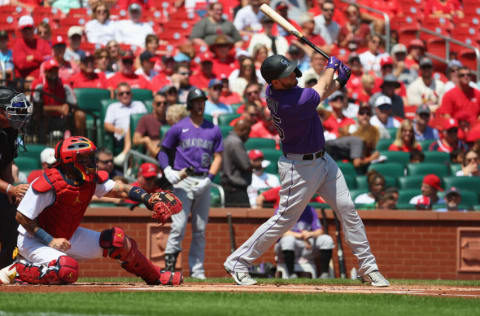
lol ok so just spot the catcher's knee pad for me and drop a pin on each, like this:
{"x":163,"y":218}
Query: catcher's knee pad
{"x":119,"y":246}
{"x":64,"y":270}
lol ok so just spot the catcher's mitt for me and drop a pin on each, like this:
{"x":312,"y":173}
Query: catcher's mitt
{"x":164,"y":204}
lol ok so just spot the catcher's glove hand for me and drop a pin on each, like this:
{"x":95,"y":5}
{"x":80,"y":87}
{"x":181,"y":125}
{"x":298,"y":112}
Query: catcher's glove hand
{"x":163,"y":204}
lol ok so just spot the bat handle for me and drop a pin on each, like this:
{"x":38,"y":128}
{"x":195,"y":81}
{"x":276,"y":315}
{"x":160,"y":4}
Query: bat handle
{"x":315,"y":48}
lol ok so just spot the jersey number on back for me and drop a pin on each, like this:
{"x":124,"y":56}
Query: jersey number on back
{"x":273,"y":106}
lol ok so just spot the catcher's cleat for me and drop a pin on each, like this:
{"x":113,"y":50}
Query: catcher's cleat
{"x":8,"y":274}
{"x":376,"y":279}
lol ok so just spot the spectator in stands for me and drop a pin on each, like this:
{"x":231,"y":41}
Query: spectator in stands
{"x":87,"y":77}
{"x":47,"y":159}
{"x":431,"y":184}
{"x":247,"y":19}
{"x":74,"y":53}
{"x":462,"y":97}
{"x":228,"y":96}
{"x":251,"y":114}
{"x":202,"y":76}
{"x":147,"y":132}
{"x":416,"y":50}
{"x":237,"y":167}
{"x":405,"y":139}
{"x":337,"y":123}
{"x":239,"y":79}
{"x":296,"y":53}
{"x":44,"y":31}
{"x":259,"y":54}
{"x":66,"y":68}
{"x":324,"y":24}
{"x":6,"y":57}
{"x":223,"y":62}
{"x":181,"y":81}
{"x":147,"y":62}
{"x":420,"y":125}
{"x":105,"y":162}
{"x":115,"y":56}
{"x":282,"y":7}
{"x":30,"y":51}
{"x":400,"y":69}
{"x":207,"y":29}
{"x":100,"y":29}
{"x":252,"y":95}
{"x":147,"y":179}
{"x":213,"y":106}
{"x":453,"y":198}
{"x":264,"y":128}
{"x":366,"y":131}
{"x":260,"y":178}
{"x":449,"y":141}
{"x":165,"y":72}
{"x":354,"y":85}
{"x":102,"y":61}
{"x":175,"y":113}
{"x":388,"y":87}
{"x":469,"y":165}
{"x":354,"y":33}
{"x":133,"y":31}
{"x":416,"y":156}
{"x":349,"y":148}
{"x":447,"y":9}
{"x":383,"y":118}
{"x":387,"y":201}
{"x":127,"y":74}
{"x":317,"y":62}
{"x":54,"y":98}
{"x":457,"y":156}
{"x":363,"y":96}
{"x":425,"y":89}
{"x":370,"y":59}
{"x":117,"y":119}
{"x":275,"y":44}
{"x":376,"y":187}
{"x":452,"y":74}
{"x":171,"y":93}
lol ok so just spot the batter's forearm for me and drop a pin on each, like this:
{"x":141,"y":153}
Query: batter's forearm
{"x":324,"y":83}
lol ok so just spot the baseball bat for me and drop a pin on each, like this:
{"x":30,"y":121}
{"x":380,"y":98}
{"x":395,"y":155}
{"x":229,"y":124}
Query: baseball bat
{"x":341,"y":258}
{"x":232,"y":233}
{"x":267,"y":10}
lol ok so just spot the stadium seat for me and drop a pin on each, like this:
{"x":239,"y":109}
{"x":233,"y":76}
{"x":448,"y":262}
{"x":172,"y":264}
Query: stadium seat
{"x":397,"y":156}
{"x":424,"y":168}
{"x":214,"y":196}
{"x":134,"y":119}
{"x":405,"y":207}
{"x":89,"y":100}
{"x":272,"y":154}
{"x":469,"y":197}
{"x":463,"y":183}
{"x":410,"y":182}
{"x":393,"y":132}
{"x":142,"y":95}
{"x":319,"y":206}
{"x":454,"y":168}
{"x":425,"y":144}
{"x":225,"y":129}
{"x":259,"y":143}
{"x":149,"y":105}
{"x":347,"y":168}
{"x":163,"y":130}
{"x":208,"y":118}
{"x":437,"y":157}
{"x":33,"y":151}
{"x":355,"y":193}
{"x":225,"y":119}
{"x":392,"y":169}
{"x":383,"y":144}
{"x":404,"y":196}
{"x":351,"y":182}
{"x":27,"y":163}
{"x":272,"y":168}
{"x":363,"y":184}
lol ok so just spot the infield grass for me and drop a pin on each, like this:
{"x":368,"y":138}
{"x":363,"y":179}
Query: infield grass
{"x":251,"y":304}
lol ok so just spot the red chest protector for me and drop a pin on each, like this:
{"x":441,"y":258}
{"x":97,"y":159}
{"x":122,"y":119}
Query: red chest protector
{"x":63,"y":217}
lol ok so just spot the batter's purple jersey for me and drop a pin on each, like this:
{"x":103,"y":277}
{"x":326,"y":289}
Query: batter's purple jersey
{"x":308,"y":221}
{"x":294,"y":113}
{"x":195,"y":146}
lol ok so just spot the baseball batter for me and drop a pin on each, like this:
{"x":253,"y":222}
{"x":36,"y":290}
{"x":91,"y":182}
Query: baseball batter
{"x":305,"y":168}
{"x":192,"y":142}
{"x":50,"y":240}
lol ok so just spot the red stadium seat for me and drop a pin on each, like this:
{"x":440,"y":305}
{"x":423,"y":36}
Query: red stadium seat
{"x":468,"y":58}
{"x":436,"y":46}
{"x":407,"y":34}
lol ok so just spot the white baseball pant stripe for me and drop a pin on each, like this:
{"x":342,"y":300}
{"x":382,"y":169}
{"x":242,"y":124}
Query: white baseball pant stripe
{"x":300,"y":180}
{"x":84,"y":245}
{"x":199,"y":207}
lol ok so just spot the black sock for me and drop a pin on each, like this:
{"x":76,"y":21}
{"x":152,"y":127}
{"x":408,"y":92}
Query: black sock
{"x":325,"y":256}
{"x":289,"y":256}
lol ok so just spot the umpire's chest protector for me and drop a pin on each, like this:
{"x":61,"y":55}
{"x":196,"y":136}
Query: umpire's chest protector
{"x":63,"y":217}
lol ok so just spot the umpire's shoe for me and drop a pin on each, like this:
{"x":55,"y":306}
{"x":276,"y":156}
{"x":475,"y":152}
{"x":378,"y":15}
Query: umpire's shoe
{"x":241,"y":278}
{"x":375,"y":278}
{"x":171,"y":261}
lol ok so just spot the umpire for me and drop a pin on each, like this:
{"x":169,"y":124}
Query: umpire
{"x":15,"y":112}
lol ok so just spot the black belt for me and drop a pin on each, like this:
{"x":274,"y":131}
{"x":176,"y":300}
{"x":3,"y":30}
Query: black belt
{"x":316,"y":155}
{"x":199,"y":174}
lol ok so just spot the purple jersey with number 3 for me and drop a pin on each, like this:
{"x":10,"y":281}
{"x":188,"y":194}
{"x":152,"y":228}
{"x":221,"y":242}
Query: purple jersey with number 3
{"x":294,"y":113}
{"x":195,"y":146}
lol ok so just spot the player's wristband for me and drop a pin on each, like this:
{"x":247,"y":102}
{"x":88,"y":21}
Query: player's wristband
{"x":211,"y":176}
{"x":44,"y":237}
{"x":138,"y":194}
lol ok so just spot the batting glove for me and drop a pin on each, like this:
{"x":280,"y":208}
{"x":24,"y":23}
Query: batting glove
{"x":333,"y":63}
{"x":344,"y":73}
{"x":172,"y":176}
{"x":201,"y":186}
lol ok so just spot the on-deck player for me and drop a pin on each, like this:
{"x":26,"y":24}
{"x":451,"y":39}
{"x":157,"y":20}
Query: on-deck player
{"x":305,"y":168}
{"x":50,"y":240}
{"x":192,"y":142}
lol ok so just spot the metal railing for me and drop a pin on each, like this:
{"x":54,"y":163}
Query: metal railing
{"x":385,"y":37}
{"x":449,"y":40}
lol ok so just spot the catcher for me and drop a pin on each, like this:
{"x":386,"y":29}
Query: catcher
{"x":50,"y":240}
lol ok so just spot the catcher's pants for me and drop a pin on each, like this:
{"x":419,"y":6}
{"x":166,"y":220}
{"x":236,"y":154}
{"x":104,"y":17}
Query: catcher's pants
{"x":300,"y":180}
{"x":199,"y":207}
{"x":84,"y":245}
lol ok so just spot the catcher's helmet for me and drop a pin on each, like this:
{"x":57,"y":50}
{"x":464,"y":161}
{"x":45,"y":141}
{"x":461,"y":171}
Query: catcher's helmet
{"x":195,"y":93}
{"x":278,"y":66}
{"x":16,"y":106}
{"x":77,"y":154}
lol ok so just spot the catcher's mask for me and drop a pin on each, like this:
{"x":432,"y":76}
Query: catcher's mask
{"x":77,"y":155}
{"x":17,"y":108}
